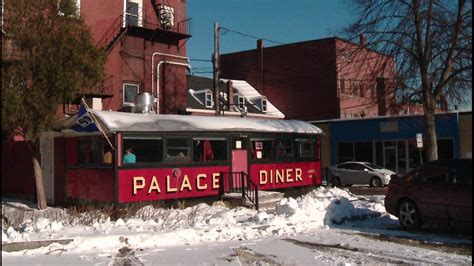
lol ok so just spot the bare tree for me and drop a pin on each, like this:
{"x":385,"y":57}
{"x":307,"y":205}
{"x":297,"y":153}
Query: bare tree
{"x":431,"y":42}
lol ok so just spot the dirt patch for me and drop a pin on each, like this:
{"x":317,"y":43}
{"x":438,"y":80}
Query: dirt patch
{"x":445,"y":247}
{"x":361,"y":190}
{"x":246,"y":256}
{"x":353,"y":255}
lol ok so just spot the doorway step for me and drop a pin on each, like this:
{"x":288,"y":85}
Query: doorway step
{"x":267,"y":200}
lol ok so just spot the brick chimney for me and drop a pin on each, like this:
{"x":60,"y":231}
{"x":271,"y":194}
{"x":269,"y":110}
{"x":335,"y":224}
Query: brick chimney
{"x":362,"y":40}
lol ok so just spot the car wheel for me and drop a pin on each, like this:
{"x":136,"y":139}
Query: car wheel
{"x":408,"y":215}
{"x":375,"y":182}
{"x":336,"y":181}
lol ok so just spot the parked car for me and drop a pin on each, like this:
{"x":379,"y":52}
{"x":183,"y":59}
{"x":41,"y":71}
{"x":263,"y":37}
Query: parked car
{"x":351,"y":173}
{"x":439,"y":192}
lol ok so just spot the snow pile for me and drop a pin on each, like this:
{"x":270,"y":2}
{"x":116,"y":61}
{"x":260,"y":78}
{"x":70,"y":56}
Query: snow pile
{"x":158,"y":227}
{"x":327,"y":207}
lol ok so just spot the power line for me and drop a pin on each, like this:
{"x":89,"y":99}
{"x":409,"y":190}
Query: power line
{"x":201,"y":60}
{"x":226,"y":30}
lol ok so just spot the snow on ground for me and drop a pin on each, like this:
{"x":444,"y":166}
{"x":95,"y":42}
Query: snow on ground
{"x":325,"y":215}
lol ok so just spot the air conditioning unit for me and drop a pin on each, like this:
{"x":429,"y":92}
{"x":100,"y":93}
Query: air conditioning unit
{"x":166,"y":16}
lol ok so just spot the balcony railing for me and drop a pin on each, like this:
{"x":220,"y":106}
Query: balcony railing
{"x":180,"y":26}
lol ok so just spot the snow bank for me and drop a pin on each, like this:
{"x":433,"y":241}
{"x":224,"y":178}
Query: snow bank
{"x":327,"y":207}
{"x":155,"y":227}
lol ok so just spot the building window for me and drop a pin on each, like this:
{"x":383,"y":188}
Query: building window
{"x":445,"y":149}
{"x":361,"y":89}
{"x":345,"y":152}
{"x":129,"y":93}
{"x":241,"y":102}
{"x":78,"y":6}
{"x":209,"y":150}
{"x":208,"y":100}
{"x":146,"y":149}
{"x":131,"y":14}
{"x":264,"y":105}
{"x":343,"y":86}
{"x":363,"y":151}
{"x":354,"y":88}
{"x":372,"y":90}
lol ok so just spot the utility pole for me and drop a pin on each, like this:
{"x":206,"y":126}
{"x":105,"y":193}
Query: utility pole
{"x":216,"y":69}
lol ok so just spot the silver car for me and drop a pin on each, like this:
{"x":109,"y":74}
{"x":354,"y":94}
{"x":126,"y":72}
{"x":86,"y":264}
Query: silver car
{"x":359,"y":173}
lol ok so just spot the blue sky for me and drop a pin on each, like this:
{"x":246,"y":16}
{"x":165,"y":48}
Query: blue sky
{"x":284,"y":21}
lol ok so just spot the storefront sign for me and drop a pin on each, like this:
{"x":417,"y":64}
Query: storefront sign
{"x":272,"y":176}
{"x":168,"y":183}
{"x":159,"y":184}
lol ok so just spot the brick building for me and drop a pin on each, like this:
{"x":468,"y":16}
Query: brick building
{"x":318,"y":79}
{"x":146,"y":51}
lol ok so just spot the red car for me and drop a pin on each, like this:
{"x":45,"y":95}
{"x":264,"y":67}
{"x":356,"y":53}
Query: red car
{"x":439,"y":192}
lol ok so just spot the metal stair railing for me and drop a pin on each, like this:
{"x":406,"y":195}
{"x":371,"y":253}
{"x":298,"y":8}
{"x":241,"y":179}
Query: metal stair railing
{"x":112,"y":32}
{"x":239,"y":182}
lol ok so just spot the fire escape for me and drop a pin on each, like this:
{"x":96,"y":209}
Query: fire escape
{"x":170,"y":29}
{"x":167,"y":27}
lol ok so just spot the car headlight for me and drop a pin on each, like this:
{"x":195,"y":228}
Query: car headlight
{"x":387,"y":176}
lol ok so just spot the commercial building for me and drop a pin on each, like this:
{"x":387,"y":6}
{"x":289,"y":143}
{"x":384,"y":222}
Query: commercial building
{"x":318,"y":79}
{"x":392,"y":142}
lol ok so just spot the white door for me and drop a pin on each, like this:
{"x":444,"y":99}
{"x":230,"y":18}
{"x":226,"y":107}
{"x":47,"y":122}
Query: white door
{"x":47,"y":165}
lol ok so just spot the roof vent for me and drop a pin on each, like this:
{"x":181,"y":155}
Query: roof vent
{"x":143,"y":103}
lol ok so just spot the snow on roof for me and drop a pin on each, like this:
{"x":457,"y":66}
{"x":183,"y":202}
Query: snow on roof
{"x":137,"y":122}
{"x":251,"y":94}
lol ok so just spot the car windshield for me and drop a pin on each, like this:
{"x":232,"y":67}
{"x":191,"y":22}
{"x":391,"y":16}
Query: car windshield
{"x":374,"y":166}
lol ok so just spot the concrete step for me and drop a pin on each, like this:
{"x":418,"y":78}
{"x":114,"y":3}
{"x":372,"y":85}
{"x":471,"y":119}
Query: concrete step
{"x":267,"y":200}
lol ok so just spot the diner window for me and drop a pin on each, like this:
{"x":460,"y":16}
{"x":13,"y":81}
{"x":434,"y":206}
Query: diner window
{"x":284,"y":148}
{"x":129,"y":93}
{"x":263,"y":149}
{"x":177,"y":149}
{"x":209,"y":150}
{"x":305,"y":148}
{"x":146,"y":149}
{"x":90,"y":150}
